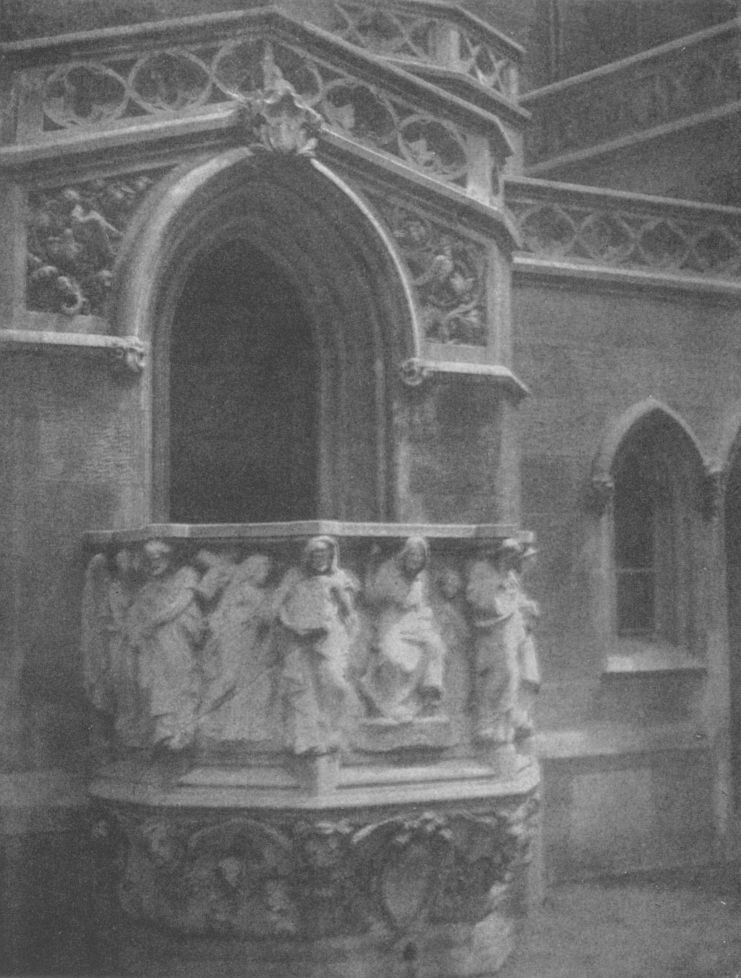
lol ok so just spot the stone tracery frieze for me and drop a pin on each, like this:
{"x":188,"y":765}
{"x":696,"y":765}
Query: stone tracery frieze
{"x":419,"y":35}
{"x":448,"y":272}
{"x":73,"y":237}
{"x":96,"y":94}
{"x":586,"y":228}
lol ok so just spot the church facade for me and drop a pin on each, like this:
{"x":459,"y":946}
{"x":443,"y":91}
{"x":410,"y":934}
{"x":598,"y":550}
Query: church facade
{"x":333,"y":271}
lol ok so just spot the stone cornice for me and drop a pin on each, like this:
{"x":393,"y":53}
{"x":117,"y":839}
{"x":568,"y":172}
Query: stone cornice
{"x":469,"y":90}
{"x":472,"y":532}
{"x":684,"y":83}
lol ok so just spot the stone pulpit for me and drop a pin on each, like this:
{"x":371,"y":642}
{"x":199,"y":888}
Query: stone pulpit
{"x":314,"y":745}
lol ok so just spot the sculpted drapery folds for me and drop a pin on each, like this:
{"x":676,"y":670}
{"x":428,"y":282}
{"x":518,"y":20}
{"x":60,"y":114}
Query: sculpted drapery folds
{"x":404,"y":678}
{"x":236,"y":657}
{"x":316,"y":622}
{"x":220,"y":647}
{"x":504,"y":651}
{"x":164,"y":626}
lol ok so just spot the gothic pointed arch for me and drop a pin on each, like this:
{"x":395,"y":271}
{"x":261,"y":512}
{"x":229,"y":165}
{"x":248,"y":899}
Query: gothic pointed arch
{"x":648,"y":411}
{"x":649,"y":481}
{"x":326,"y":248}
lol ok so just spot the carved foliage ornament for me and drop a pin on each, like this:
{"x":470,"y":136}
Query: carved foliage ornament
{"x":243,"y":877}
{"x":282,"y":121}
{"x":448,"y":272}
{"x":74,"y":234}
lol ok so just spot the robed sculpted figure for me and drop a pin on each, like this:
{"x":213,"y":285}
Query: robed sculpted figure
{"x":236,"y":653}
{"x":107,"y":667}
{"x":164,"y":626}
{"x":504,"y":652}
{"x":316,"y":623}
{"x":404,"y":677}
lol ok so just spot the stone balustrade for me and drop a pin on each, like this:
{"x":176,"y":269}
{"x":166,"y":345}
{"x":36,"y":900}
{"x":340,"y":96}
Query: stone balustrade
{"x":436,"y":34}
{"x":691,"y":76}
{"x":582,"y":226}
{"x":196,"y":76}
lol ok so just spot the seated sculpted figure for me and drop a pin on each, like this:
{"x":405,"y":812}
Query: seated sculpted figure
{"x":164,"y":627}
{"x":316,"y":623}
{"x":404,"y":678}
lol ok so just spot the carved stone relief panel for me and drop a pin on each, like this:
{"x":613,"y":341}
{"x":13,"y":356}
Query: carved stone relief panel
{"x":448,"y":271}
{"x":74,"y":233}
{"x":264,"y":648}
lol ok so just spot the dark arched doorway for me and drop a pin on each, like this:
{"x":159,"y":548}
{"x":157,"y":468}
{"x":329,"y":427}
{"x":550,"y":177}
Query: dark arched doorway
{"x":343,"y":321}
{"x":243,"y":394}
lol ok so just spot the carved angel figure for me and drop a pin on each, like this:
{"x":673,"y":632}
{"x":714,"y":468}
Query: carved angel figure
{"x":164,"y":626}
{"x":404,"y":678}
{"x":105,"y":600}
{"x":500,"y":639}
{"x":316,"y":616}
{"x":236,"y":702}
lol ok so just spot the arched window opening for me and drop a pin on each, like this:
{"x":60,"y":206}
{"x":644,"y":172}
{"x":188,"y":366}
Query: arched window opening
{"x":655,"y":532}
{"x":644,"y":544}
{"x":243,"y":393}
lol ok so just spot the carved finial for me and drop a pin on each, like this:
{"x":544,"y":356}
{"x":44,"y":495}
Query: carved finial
{"x":712,"y":491}
{"x":601,"y":491}
{"x":414,"y":372}
{"x":278,"y":116}
{"x":129,"y":355}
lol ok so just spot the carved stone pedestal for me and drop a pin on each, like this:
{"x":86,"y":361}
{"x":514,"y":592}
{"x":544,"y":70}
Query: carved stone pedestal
{"x":394,"y":871}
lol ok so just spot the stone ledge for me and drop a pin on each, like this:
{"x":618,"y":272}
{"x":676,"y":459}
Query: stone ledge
{"x":300,"y":529}
{"x":358,"y":788}
{"x":631,"y":278}
{"x":611,"y":740}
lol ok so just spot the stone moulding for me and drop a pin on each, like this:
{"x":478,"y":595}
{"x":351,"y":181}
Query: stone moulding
{"x":124,"y":354}
{"x":571,"y":225}
{"x":190,"y":69}
{"x":682,"y":82}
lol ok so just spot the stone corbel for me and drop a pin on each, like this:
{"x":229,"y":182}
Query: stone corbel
{"x":417,"y":372}
{"x":601,"y":492}
{"x":414,"y":372}
{"x":713,"y":487}
{"x":128,"y":356}
{"x":277,"y":117}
